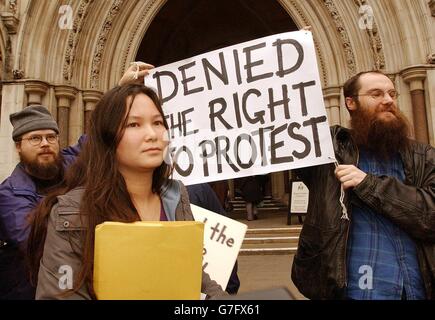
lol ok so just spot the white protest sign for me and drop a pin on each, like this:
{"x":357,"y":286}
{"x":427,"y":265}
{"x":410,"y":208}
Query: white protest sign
{"x":248,"y":109}
{"x":223,"y":238}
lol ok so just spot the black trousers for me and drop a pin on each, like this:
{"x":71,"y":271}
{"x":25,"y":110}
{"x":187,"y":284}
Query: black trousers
{"x":14,"y":275}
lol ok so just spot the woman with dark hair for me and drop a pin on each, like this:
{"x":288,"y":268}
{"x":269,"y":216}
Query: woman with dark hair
{"x":120,"y":176}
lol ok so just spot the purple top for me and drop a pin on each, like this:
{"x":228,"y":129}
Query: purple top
{"x":162,"y":212}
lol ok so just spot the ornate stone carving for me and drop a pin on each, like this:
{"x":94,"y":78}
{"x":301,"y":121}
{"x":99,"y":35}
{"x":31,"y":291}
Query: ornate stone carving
{"x":339,"y":25}
{"x":375,"y":41}
{"x":10,"y":22}
{"x":295,"y":7}
{"x":431,"y":58}
{"x":9,"y":17}
{"x":13,"y":6}
{"x":18,"y":74}
{"x":140,"y":21}
{"x":432,"y":7}
{"x":73,"y":39}
{"x":101,"y":42}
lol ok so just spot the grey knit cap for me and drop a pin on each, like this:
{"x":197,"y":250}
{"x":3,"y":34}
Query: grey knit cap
{"x":31,"y":118}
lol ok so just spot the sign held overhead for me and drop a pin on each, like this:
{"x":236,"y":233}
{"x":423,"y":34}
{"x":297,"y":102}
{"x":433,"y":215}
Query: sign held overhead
{"x":252,"y":108}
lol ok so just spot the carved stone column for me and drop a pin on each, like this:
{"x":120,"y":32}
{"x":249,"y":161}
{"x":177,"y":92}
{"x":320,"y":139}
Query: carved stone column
{"x":35,"y":91}
{"x":432,"y":7}
{"x":9,"y":16}
{"x":415,"y":77}
{"x":277,"y":183}
{"x":332,"y":95}
{"x":90,"y":97}
{"x":13,"y":100}
{"x":231,"y":189}
{"x":64,"y":95}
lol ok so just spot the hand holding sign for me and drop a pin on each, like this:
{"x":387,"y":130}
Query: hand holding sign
{"x":349,"y":175}
{"x":135,"y":73}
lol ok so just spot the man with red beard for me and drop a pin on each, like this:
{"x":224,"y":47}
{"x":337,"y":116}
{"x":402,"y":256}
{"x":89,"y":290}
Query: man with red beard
{"x":41,"y":168}
{"x":370,"y":228}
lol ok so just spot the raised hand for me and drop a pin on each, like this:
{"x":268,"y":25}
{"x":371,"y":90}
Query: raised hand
{"x":135,"y":73}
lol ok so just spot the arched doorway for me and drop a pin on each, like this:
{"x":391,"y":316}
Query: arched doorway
{"x":185,"y":28}
{"x":173,"y":34}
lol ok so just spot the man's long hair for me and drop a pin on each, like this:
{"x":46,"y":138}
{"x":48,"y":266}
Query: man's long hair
{"x":106,"y":197}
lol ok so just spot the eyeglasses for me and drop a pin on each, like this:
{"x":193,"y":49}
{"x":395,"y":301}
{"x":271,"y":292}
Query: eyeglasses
{"x":379,"y":94}
{"x":37,"y":139}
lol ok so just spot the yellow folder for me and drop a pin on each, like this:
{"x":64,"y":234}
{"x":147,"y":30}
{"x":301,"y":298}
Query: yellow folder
{"x":148,"y":260}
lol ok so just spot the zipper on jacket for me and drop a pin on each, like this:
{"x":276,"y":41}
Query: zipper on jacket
{"x":347,"y":231}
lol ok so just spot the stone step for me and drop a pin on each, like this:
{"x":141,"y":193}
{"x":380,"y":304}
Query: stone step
{"x":268,"y":251}
{"x":273,"y":240}
{"x":271,"y":209}
{"x":268,"y":244}
{"x":268,"y":241}
{"x":240,"y":198}
{"x":269,"y":206}
{"x":241,"y":201}
{"x":284,"y":230}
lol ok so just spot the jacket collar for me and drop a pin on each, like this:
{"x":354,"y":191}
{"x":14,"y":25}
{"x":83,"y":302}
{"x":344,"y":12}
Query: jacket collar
{"x":346,"y":151}
{"x":21,"y":181}
{"x":171,"y":195}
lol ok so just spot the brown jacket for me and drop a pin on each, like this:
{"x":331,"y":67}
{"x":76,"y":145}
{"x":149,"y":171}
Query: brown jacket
{"x":63,"y":245}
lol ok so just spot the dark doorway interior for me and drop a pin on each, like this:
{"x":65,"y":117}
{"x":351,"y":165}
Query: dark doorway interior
{"x":185,"y":28}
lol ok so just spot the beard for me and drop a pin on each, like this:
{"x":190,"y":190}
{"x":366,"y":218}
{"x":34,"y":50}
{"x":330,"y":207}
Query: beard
{"x":43,"y":171}
{"x":384,"y":137}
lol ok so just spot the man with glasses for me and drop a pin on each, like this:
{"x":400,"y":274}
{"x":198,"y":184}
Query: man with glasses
{"x":370,"y":228}
{"x":40,"y":169}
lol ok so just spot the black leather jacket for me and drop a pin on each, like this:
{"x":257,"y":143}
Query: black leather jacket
{"x":319,"y":267}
